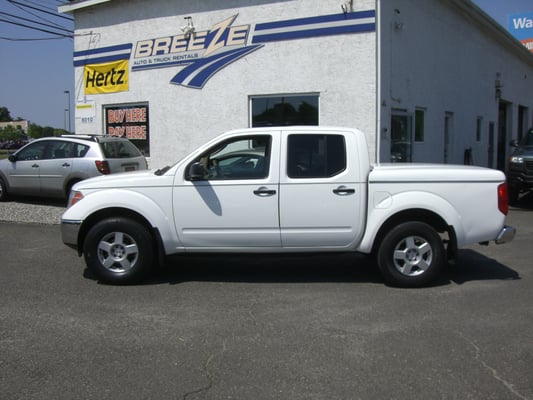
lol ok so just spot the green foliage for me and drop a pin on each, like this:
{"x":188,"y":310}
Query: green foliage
{"x":34,"y":131}
{"x":11,"y":133}
{"x":4,"y":115}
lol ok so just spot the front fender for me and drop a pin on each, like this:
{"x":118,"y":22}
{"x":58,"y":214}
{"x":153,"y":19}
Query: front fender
{"x":157,"y":214}
{"x":383,"y":205}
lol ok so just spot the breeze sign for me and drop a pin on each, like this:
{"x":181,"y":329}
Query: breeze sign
{"x":201,"y":54}
{"x":204,"y":53}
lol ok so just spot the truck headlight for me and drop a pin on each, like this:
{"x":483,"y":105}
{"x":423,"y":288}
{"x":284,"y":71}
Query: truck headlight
{"x":516,"y":160}
{"x":74,"y":197}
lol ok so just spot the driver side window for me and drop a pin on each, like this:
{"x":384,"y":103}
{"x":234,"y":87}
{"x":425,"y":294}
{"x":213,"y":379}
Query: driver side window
{"x":237,"y":158}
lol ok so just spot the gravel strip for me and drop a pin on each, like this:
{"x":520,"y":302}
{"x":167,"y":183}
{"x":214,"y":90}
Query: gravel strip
{"x":32,"y":211}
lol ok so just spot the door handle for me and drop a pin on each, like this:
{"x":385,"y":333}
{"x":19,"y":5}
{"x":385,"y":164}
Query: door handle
{"x":343,"y":191}
{"x":66,"y":165}
{"x":264,"y":192}
{"x":35,"y":166}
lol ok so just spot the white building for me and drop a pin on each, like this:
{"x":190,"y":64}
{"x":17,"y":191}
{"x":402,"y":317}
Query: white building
{"x":427,"y":80}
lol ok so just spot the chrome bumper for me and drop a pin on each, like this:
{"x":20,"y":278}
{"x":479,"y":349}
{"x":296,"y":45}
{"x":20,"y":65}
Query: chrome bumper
{"x":69,"y":232}
{"x":506,"y":235}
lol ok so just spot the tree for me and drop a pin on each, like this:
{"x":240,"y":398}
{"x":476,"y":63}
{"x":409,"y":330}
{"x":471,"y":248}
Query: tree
{"x":11,"y":133}
{"x":5,"y":115}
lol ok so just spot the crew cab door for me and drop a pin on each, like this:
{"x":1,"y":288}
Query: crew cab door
{"x":228,"y":196}
{"x":322,"y":190}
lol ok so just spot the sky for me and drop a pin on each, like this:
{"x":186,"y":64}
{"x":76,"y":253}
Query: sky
{"x":35,"y":73}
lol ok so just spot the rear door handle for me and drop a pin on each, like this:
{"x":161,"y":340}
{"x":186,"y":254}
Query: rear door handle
{"x":66,"y":165}
{"x":264,"y":192}
{"x":343,"y":191}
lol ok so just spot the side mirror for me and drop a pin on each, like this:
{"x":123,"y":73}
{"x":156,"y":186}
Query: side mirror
{"x":12,"y":158}
{"x":513,"y":143}
{"x":196,"y":172}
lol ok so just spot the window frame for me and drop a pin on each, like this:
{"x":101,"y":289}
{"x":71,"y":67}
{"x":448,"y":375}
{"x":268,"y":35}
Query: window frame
{"x":291,"y":167}
{"x":281,"y":98}
{"x":215,"y":149}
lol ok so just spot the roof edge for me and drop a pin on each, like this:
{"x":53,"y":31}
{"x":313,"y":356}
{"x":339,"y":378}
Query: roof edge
{"x":484,"y":19}
{"x":79,"y":4}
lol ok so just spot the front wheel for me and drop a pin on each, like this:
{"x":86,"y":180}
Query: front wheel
{"x":411,"y":255}
{"x":119,"y":250}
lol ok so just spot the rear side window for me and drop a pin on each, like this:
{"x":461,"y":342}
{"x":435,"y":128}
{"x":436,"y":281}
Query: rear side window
{"x":119,"y":149}
{"x":315,"y":156}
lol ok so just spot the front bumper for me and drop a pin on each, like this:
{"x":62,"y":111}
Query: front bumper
{"x":69,"y":232}
{"x":506,"y":235}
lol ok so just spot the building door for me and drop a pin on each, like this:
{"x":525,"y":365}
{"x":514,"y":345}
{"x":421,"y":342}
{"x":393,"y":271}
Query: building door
{"x":491,"y":145}
{"x":502,"y":136}
{"x":401,"y":137}
{"x":448,"y":132}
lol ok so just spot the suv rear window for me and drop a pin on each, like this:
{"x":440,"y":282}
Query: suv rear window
{"x":119,"y":149}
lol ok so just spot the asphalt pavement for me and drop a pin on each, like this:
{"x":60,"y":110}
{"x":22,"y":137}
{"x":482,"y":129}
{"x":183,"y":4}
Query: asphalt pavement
{"x":310,"y":327}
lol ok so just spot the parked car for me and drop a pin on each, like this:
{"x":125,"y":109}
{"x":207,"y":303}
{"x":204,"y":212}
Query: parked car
{"x":520,"y":169}
{"x":50,"y":166}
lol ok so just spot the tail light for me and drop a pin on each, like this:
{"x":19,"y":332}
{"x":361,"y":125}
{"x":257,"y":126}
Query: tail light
{"x":503,"y":198}
{"x":103,"y":167}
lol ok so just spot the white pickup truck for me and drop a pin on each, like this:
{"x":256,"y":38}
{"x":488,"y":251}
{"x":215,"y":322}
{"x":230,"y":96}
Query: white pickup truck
{"x":281,"y":190}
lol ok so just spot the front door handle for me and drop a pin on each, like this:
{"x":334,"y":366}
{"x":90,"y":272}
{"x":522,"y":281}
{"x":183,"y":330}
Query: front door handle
{"x":264,"y":192}
{"x":343,"y":191}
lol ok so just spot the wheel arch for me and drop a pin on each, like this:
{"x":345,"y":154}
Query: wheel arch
{"x":121,"y":212}
{"x":419,"y":215}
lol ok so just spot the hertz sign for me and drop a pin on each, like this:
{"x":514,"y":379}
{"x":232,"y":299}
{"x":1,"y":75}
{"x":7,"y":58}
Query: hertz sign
{"x":106,"y":78}
{"x":105,"y":70}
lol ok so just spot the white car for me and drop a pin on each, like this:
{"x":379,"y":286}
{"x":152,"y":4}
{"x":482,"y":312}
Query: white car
{"x":50,"y":166}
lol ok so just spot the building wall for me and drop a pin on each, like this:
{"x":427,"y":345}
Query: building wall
{"x":442,"y":58}
{"x":23,"y":124}
{"x":436,"y":57}
{"x":341,"y":69}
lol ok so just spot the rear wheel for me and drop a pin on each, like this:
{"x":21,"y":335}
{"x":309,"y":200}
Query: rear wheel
{"x":119,"y":250}
{"x":412,"y":254}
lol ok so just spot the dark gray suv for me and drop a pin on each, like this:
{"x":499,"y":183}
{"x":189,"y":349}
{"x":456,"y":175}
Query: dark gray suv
{"x":48,"y":167}
{"x":520,"y":170}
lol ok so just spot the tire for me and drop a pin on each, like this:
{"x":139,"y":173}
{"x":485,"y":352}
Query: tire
{"x":412,"y":254}
{"x":119,"y":251}
{"x":3,"y":190}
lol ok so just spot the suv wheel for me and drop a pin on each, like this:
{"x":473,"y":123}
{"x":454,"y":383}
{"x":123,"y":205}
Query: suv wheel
{"x":3,"y":190}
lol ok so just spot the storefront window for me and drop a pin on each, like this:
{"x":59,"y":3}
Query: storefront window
{"x":284,"y":110}
{"x":130,"y":121}
{"x":401,"y":123}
